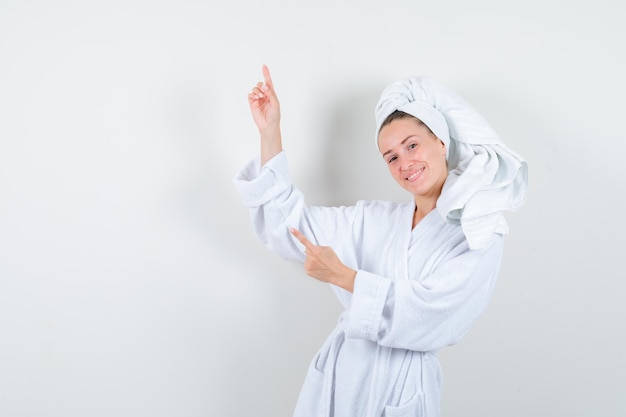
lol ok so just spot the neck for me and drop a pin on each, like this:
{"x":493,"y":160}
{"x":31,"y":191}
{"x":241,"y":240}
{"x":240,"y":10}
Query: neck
{"x":422,"y":208}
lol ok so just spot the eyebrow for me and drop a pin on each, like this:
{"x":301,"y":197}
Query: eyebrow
{"x":401,"y":143}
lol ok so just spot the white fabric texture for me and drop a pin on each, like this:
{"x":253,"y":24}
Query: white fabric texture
{"x":417,"y":290}
{"x":485,"y":177}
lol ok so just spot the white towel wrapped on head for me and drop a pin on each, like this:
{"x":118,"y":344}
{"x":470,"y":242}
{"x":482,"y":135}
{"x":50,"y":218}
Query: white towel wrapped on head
{"x":485,"y":177}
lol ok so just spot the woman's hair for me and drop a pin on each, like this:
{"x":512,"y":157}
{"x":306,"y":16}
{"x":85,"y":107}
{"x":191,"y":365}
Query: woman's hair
{"x":397,"y":114}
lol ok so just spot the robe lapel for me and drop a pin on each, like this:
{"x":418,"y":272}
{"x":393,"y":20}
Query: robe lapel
{"x":401,"y":249}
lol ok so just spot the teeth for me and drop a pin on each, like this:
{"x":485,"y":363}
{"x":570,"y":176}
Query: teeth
{"x":415,"y":174}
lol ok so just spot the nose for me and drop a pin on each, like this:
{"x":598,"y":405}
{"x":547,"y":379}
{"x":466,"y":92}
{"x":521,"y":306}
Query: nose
{"x":405,"y":163}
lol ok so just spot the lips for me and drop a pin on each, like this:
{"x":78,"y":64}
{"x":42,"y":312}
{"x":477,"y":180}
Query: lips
{"x":414,"y":176}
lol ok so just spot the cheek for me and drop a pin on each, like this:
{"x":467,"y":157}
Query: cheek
{"x":392,"y":171}
{"x":443,"y":166}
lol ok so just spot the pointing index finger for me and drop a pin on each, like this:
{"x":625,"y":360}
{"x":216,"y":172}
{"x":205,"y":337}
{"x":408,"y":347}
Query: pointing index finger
{"x":307,"y":244}
{"x":268,"y":77}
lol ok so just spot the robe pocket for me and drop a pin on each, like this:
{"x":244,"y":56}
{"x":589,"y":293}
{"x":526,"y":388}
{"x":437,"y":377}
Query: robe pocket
{"x":310,"y":400}
{"x":413,"y":408}
{"x":319,"y":361}
{"x":322,"y":356}
{"x":314,"y":380}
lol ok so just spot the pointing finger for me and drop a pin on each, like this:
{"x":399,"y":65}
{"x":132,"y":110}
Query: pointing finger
{"x":268,"y":77}
{"x":307,"y":244}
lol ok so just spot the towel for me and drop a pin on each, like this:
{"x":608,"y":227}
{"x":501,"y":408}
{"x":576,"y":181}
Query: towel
{"x":485,"y":177}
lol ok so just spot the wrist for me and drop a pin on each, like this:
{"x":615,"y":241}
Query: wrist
{"x":346,"y":279}
{"x":270,"y":132}
{"x":271,"y":144}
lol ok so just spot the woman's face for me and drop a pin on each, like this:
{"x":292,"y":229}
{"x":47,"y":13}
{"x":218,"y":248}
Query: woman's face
{"x":415,"y":157}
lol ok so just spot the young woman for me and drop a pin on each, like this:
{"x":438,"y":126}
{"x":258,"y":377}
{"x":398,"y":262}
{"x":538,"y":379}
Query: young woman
{"x":411,"y":276}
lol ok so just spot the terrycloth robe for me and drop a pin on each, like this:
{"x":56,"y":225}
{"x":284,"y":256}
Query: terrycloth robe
{"x":416,"y":291}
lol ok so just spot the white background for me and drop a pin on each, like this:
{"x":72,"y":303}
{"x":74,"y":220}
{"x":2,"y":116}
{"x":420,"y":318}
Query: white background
{"x":130,"y":281}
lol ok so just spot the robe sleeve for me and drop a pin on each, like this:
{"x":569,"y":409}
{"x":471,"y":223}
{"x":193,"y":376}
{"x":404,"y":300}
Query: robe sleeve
{"x":275,"y":205}
{"x":429,"y":314}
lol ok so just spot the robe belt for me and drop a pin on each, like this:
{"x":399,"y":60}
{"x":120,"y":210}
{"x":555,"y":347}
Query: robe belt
{"x":377,"y":398}
{"x":334,"y":345}
{"x":378,"y":393}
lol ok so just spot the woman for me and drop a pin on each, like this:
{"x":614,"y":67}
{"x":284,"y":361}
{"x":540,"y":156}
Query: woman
{"x":411,"y":276}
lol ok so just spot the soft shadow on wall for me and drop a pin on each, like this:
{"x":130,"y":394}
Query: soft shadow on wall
{"x":353,"y":167}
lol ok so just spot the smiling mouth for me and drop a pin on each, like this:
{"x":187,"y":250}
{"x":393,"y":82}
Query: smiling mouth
{"x":414,"y":175}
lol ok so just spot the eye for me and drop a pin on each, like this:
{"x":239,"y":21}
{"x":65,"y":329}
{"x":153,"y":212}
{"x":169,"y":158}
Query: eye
{"x":393,"y":158}
{"x":412,"y":146}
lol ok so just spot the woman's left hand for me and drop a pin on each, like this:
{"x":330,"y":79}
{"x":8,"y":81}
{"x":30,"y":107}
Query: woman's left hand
{"x":323,"y":264}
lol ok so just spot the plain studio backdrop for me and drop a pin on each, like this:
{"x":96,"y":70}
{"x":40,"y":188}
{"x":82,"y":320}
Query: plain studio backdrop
{"x":131,"y":283}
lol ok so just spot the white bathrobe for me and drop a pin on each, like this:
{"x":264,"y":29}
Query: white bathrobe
{"x":416,"y":291}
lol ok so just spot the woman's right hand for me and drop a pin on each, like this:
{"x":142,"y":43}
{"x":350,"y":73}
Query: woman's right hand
{"x":264,"y":105}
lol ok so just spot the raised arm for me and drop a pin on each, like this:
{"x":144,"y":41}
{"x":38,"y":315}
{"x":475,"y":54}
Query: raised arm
{"x":266,"y":187}
{"x":265,"y":110}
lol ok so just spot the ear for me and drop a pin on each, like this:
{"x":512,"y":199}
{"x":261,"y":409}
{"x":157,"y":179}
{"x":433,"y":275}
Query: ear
{"x":443,"y":147}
